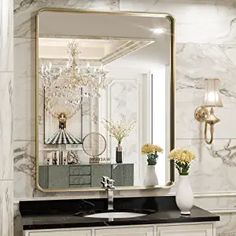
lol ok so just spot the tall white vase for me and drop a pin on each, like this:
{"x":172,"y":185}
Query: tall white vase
{"x":151,"y":176}
{"x":184,"y":195}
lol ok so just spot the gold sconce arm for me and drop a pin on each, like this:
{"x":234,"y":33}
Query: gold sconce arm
{"x":211,"y":99}
{"x":208,"y":141}
{"x":202,"y":114}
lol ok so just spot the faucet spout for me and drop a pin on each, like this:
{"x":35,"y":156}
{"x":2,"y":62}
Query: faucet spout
{"x":110,"y":198}
{"x":108,"y":185}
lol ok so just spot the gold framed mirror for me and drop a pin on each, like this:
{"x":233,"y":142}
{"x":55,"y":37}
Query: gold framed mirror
{"x":105,"y":87}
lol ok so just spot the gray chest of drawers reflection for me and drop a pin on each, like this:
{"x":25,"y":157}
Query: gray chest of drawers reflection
{"x":82,"y":176}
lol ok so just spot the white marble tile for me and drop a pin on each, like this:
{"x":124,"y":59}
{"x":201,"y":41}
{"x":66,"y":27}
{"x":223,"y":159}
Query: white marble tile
{"x":26,"y":188}
{"x":195,"y":62}
{"x":6,"y":125}
{"x":227,"y":225}
{"x":23,"y":117}
{"x":6,"y":80}
{"x":24,"y":109}
{"x":24,"y":169}
{"x":206,"y":21}
{"x":24,"y":89}
{"x":6,"y":208}
{"x":6,"y":35}
{"x":24,"y":59}
{"x":199,"y":61}
{"x":25,"y":11}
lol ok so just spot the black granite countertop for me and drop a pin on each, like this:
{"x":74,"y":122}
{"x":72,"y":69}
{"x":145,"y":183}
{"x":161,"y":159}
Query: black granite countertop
{"x":69,"y":213}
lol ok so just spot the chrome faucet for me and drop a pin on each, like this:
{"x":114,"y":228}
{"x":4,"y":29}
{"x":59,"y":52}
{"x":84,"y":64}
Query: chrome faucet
{"x":108,"y":185}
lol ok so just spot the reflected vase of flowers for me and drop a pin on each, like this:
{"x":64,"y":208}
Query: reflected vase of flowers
{"x":119,"y":130}
{"x":119,"y":153}
{"x":151,"y":152}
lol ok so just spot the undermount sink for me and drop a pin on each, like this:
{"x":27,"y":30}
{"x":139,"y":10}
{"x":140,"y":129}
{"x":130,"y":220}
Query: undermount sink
{"x":117,"y":215}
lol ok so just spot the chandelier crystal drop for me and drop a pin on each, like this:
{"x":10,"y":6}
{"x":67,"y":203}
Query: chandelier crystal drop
{"x":65,"y":87}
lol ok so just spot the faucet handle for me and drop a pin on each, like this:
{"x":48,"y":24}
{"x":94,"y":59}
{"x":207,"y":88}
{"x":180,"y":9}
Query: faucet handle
{"x":111,"y":183}
{"x":104,"y":181}
{"x":105,"y":178}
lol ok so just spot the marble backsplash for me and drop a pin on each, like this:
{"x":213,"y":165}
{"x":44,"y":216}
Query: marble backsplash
{"x":206,"y":47}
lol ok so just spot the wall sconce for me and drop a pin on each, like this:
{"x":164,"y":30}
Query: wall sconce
{"x":203,"y":114}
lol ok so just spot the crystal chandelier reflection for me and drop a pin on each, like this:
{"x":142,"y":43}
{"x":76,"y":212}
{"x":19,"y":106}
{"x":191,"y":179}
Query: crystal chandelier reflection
{"x":66,"y":87}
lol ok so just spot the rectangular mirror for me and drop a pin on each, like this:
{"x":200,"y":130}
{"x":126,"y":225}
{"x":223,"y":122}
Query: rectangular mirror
{"x":105,"y":87}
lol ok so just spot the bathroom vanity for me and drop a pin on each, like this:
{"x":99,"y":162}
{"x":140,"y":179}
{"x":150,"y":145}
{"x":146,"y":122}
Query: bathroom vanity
{"x":199,"y":229}
{"x":70,"y":217}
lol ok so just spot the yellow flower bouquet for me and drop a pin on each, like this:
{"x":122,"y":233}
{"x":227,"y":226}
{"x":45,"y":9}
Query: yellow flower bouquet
{"x":182,"y":159}
{"x":151,"y":151}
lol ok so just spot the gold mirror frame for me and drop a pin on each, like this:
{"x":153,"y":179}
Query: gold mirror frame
{"x":172,"y":98}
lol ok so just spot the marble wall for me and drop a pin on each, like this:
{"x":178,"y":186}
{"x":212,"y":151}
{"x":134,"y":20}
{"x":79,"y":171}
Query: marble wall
{"x":205,"y":37}
{"x":6,"y":88}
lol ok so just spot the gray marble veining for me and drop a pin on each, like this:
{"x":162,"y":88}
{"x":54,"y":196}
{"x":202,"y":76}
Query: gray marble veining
{"x":216,"y":24}
{"x":24,"y":161}
{"x":6,"y":208}
{"x":227,"y":153}
{"x":25,"y":11}
{"x":196,"y":62}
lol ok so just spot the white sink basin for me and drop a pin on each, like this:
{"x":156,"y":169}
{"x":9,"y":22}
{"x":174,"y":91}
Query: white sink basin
{"x":115,"y":215}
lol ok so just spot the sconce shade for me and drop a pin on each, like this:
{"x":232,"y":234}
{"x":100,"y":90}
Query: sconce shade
{"x":212,"y":96}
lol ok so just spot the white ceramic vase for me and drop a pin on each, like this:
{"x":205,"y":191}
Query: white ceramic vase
{"x":184,"y":195}
{"x":151,"y":176}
